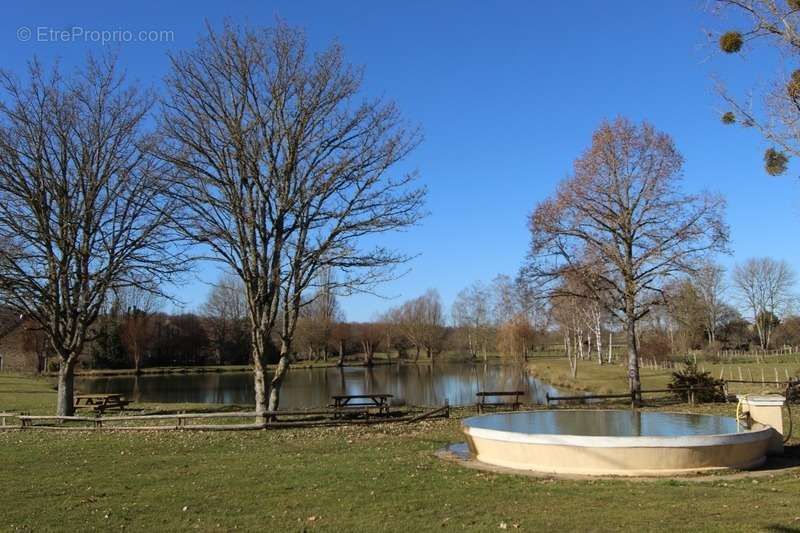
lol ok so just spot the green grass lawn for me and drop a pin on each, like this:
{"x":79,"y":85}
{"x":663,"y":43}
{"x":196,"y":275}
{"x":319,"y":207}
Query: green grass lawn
{"x":612,"y":379}
{"x":382,"y":478}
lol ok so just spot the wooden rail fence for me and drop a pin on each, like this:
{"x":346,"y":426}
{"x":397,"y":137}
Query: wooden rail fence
{"x":632,"y":396}
{"x":269,"y":419}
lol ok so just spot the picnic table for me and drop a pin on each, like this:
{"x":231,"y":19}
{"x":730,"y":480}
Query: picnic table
{"x":364,"y":402}
{"x":100,"y":402}
{"x":482,"y":402}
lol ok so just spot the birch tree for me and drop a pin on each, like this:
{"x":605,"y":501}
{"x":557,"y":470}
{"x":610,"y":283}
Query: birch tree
{"x":620,"y":226}
{"x":284,"y":170}
{"x":83,"y":208}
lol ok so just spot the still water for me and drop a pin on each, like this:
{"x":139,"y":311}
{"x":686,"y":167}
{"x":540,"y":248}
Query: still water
{"x":607,"y":423}
{"x":412,"y":384}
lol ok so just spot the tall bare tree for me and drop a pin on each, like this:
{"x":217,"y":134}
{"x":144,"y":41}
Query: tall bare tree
{"x":620,"y":226}
{"x":765,"y":287}
{"x":283,"y":172}
{"x":137,"y":322}
{"x":226,"y":313}
{"x":82,"y":203}
{"x":421,"y":322}
{"x":472,"y":313}
{"x":319,"y":316}
{"x":709,"y":282}
{"x":566,"y":312}
{"x":369,"y":335}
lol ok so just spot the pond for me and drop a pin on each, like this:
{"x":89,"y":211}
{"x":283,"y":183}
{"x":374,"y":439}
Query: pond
{"x":313,"y":387}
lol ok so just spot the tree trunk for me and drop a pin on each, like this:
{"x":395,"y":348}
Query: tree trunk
{"x":66,"y":388}
{"x":633,"y":359}
{"x":369,"y":352}
{"x":277,"y":379}
{"x":259,"y":376}
{"x":598,"y":334}
{"x":340,"y":362}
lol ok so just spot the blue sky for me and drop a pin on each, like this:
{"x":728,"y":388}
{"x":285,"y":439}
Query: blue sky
{"x":507,"y":93}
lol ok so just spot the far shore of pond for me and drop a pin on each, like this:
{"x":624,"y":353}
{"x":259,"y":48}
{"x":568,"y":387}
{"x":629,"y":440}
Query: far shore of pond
{"x":331,"y":363}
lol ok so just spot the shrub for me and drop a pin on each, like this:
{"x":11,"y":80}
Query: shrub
{"x":731,"y":42}
{"x":707,"y":387}
{"x":793,"y":391}
{"x":775,"y":162}
{"x":728,"y":117}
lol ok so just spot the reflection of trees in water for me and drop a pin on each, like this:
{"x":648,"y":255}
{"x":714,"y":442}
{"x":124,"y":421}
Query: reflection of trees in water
{"x":427,"y":384}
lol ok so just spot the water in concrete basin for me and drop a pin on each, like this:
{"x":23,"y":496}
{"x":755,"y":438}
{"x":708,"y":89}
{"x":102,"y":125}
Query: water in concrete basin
{"x":606,"y":423}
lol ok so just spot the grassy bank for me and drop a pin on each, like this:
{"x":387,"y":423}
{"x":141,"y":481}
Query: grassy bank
{"x":592,"y":377}
{"x":612,"y":379}
{"x":382,"y":478}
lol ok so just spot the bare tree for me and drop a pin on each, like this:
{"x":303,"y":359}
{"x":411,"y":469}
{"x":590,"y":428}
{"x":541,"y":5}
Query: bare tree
{"x":341,"y":332}
{"x":687,"y":315}
{"x":226,"y":313}
{"x":566,"y":314}
{"x":137,"y":322}
{"x":518,"y":313}
{"x":283,"y":173}
{"x":82,"y":204}
{"x":709,"y":282}
{"x":773,"y":24}
{"x":432,"y":319}
{"x":472,"y":313}
{"x":620,"y":226}
{"x":764,"y":286}
{"x":318,"y":317}
{"x":369,"y":335}
{"x":421,"y":322}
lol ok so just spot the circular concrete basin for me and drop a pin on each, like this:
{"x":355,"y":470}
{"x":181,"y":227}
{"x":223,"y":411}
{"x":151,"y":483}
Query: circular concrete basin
{"x":614,"y":442}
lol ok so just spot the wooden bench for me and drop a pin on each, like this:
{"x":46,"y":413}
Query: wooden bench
{"x":514,"y":404}
{"x":360,"y":403}
{"x":99,"y":403}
